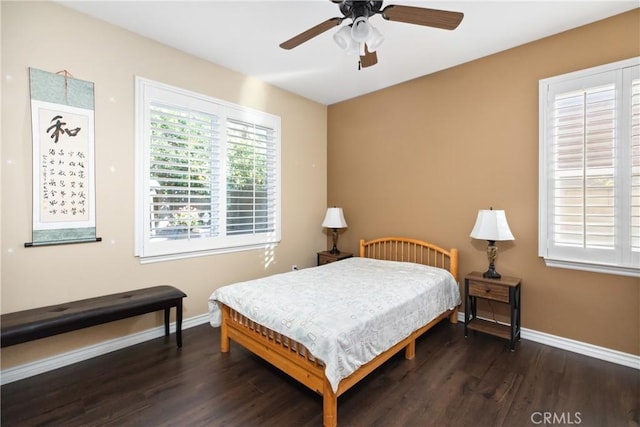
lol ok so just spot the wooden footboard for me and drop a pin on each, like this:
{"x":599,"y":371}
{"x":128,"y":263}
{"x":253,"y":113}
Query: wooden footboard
{"x":277,"y":349}
{"x":294,"y":359}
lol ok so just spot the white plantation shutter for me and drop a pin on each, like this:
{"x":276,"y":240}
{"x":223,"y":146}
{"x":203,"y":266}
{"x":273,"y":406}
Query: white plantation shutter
{"x":251,"y":186}
{"x":184,"y":173}
{"x":581,"y":168}
{"x":587,"y":182}
{"x":635,"y":163}
{"x":208,"y":175}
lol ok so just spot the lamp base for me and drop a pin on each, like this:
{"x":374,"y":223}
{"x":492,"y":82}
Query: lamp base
{"x":491,"y":273}
{"x":492,"y":252}
{"x":335,"y":250}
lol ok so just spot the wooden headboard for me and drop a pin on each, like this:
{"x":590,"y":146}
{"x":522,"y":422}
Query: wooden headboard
{"x":410,"y":250}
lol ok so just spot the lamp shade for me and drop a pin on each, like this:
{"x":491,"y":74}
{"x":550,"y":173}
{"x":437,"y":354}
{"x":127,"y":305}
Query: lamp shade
{"x":360,"y":29}
{"x":343,"y":38}
{"x":491,"y":225}
{"x":334,"y":218}
{"x":375,"y":40}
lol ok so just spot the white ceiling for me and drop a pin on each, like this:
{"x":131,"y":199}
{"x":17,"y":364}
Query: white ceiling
{"x":244,"y":35}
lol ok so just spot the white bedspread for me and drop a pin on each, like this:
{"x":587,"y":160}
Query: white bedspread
{"x":347,"y":312}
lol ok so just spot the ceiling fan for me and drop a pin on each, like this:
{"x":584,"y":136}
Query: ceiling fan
{"x":360,"y":37}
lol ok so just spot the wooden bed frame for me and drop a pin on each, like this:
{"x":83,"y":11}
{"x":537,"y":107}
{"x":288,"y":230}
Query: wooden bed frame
{"x":294,"y":359}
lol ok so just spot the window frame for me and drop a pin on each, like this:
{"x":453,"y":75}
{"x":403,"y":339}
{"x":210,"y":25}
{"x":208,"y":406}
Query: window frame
{"x":148,"y":91}
{"x":623,"y":260}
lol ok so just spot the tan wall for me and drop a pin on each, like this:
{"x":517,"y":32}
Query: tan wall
{"x":53,"y":38}
{"x":419,"y":159}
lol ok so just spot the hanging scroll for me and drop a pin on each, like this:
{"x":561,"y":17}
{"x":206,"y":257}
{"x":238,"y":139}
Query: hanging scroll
{"x":62,"y":120}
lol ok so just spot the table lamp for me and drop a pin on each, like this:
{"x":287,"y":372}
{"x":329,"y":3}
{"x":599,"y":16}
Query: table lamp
{"x":491,"y":225}
{"x":334,"y":219}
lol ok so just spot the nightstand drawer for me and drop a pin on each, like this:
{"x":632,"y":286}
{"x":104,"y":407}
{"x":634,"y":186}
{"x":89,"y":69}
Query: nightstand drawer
{"x":489,"y":291}
{"x":326,"y":257}
{"x":323,"y":259}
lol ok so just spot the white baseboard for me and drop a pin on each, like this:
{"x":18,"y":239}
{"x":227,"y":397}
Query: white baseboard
{"x":50,"y":363}
{"x":602,"y":353}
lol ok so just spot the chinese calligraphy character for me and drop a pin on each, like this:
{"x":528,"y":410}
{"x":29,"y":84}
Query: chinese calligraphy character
{"x":58,"y":129}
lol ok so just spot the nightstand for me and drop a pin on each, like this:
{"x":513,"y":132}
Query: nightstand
{"x":504,"y":290}
{"x":325,"y":257}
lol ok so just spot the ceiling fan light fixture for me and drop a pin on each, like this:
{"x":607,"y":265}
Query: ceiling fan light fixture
{"x":361,"y":29}
{"x":360,"y":37}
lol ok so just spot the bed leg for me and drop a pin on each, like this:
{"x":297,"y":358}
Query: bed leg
{"x":225,"y":342}
{"x":329,"y":405}
{"x":410,"y":350}
{"x":453,"y":317}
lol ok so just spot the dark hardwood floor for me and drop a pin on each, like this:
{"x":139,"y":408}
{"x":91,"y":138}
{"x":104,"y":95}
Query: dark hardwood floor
{"x":453,"y":381}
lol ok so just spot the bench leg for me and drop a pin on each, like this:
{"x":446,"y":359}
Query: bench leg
{"x":179,"y":323}
{"x":167,"y":313}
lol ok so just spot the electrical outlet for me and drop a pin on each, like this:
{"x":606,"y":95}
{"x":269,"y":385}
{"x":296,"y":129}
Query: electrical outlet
{"x":294,"y":267}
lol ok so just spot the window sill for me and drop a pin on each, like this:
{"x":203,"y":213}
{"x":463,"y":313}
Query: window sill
{"x":195,"y":254}
{"x":596,"y":268}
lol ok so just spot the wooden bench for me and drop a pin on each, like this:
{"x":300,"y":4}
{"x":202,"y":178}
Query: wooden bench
{"x":27,"y":325}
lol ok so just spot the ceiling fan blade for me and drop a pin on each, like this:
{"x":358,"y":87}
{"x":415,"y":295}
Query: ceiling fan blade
{"x":423,"y":16}
{"x":311,"y":33}
{"x":369,"y":58}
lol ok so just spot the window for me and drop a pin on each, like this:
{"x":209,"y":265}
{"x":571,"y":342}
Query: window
{"x":208,"y":174}
{"x":589,"y":207}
